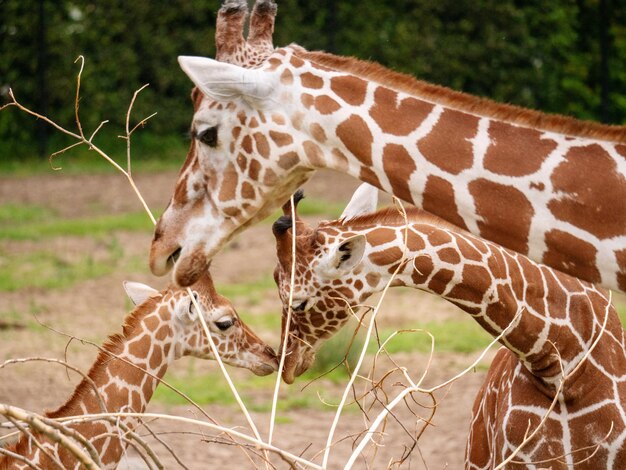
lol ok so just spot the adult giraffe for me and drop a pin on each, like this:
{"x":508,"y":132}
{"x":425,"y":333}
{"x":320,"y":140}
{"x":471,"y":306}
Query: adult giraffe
{"x":162,"y":328}
{"x":555,"y":328}
{"x":550,"y":187}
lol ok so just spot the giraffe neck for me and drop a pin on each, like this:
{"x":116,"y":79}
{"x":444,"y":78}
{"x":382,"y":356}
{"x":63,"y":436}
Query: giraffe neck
{"x":502,"y":290}
{"x":531,"y":190}
{"x":125,"y":374}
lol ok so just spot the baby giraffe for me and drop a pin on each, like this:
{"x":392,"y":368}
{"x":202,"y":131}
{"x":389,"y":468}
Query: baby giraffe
{"x":549,"y":322}
{"x":163,"y":327}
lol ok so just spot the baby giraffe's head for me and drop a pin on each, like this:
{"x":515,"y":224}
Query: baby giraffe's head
{"x":328,"y":279}
{"x":174,"y":320}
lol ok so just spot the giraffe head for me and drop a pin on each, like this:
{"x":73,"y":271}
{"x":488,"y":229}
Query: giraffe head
{"x":237,"y":344}
{"x":244,"y":161}
{"x":328,"y":282}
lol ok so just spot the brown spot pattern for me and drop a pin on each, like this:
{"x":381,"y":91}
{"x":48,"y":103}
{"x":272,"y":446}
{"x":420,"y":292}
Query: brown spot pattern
{"x":229,"y":184}
{"x":476,"y":281}
{"x":262,"y":146}
{"x":514,"y":150}
{"x":286,"y":77}
{"x":247,"y":191}
{"x":296,"y":61}
{"x":399,"y":166}
{"x":350,"y":89}
{"x":440,"y":280}
{"x":380,"y":236}
{"x":307,"y":100}
{"x":246,"y":144}
{"x":385,"y":257}
{"x":180,"y":193}
{"x":398,"y":118}
{"x":288,"y":160}
{"x":326,"y":105}
{"x":317,"y":132}
{"x":447,"y":144}
{"x":311,"y":81}
{"x":357,"y":137}
{"x":571,"y":255}
{"x":449,"y":255}
{"x":281,"y":138}
{"x":368,"y":176}
{"x":254,"y":169}
{"x":438,"y":198}
{"x":314,"y":154}
{"x":494,"y":202}
{"x":422,"y":267}
{"x":594,"y":192}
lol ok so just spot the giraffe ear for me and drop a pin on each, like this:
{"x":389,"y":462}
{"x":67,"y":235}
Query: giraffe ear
{"x":364,"y":201}
{"x":222,"y":81}
{"x":138,"y":293}
{"x":342,"y":257}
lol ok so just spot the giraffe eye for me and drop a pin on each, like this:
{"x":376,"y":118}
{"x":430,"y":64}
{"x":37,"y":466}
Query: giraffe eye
{"x":224,"y":323}
{"x":208,"y":136}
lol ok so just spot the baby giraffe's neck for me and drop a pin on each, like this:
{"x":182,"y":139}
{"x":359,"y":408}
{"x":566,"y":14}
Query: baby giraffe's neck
{"x":125,"y":375}
{"x":538,"y":307}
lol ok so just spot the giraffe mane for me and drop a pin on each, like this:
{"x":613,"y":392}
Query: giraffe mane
{"x":109,"y":349}
{"x":463,"y":101}
{"x":392,"y":216}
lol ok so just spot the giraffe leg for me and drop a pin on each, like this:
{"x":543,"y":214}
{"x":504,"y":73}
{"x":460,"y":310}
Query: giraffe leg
{"x":262,"y":24}
{"x":229,"y":28}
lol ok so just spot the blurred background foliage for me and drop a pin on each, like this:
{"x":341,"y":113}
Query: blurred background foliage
{"x":563,"y":56}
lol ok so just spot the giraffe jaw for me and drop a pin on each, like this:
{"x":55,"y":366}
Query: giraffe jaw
{"x":297,"y":362}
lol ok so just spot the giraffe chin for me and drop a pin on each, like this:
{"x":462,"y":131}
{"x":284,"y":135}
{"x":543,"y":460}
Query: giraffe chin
{"x":262,"y":369}
{"x":189,"y":268}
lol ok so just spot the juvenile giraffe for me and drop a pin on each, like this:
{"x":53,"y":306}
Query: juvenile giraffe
{"x":163,"y":327}
{"x":550,"y":187}
{"x":554,"y":319}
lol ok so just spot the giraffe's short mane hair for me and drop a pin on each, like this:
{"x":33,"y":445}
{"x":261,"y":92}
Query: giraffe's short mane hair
{"x":392,"y":216}
{"x":112,"y":347}
{"x":464,"y":101}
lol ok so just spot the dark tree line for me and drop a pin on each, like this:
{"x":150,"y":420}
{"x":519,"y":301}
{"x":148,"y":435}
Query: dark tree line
{"x":563,"y":56}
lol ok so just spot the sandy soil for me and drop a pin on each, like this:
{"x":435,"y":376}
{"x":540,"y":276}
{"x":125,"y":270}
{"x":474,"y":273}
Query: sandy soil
{"x":92,"y":309}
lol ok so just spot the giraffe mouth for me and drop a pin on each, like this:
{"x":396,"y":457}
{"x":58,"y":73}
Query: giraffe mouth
{"x":173,"y":258}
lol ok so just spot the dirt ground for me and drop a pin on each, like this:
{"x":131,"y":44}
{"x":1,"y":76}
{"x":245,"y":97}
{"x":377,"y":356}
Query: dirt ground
{"x":94,"y":308}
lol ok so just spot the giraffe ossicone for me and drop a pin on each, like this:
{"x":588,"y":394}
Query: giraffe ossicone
{"x":552,"y":326}
{"x":163,"y":327}
{"x":549,"y":187}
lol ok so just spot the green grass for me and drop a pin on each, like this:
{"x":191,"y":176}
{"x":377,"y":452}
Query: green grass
{"x":48,"y":270}
{"x":149,"y":152}
{"x":13,"y":214}
{"x":50,"y":226}
{"x":312,"y":207}
{"x":621,"y":311}
{"x":212,"y":389}
{"x":451,"y":336}
{"x":252,"y":291}
{"x":262,"y":321}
